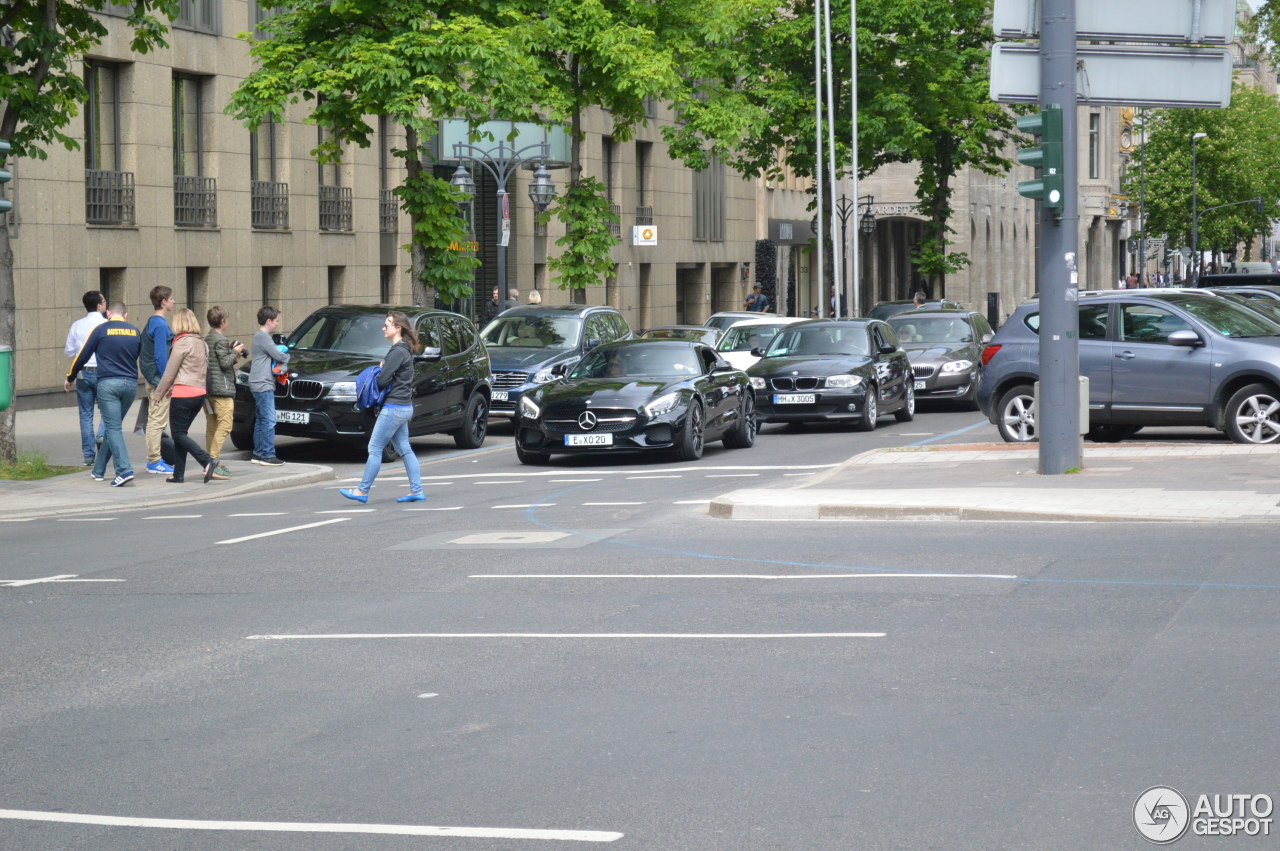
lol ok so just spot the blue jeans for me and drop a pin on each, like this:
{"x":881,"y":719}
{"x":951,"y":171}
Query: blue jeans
{"x":392,"y":425}
{"x":264,"y":424}
{"x":115,"y":395}
{"x":86,"y":396}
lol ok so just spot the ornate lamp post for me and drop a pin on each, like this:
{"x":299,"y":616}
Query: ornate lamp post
{"x":1195,"y":214}
{"x":501,"y":162}
{"x":844,"y":208}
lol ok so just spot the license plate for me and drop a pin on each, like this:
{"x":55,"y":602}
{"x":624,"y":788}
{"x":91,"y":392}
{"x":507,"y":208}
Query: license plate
{"x":499,"y":395}
{"x":296,"y":417}
{"x":919,"y":385}
{"x":588,"y":440}
{"x":794,"y":398}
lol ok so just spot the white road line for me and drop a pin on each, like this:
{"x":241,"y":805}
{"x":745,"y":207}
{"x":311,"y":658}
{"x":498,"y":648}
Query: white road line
{"x":629,"y":478}
{"x":17,"y":583}
{"x":318,"y":827}
{"x":284,"y":531}
{"x":261,"y":514}
{"x":16,"y":519}
{"x":691,"y":502}
{"x":502,"y":482}
{"x":683,"y":470}
{"x":613,"y":503}
{"x":348,"y":511}
{"x":526,"y":505}
{"x":707,"y":635}
{"x":174,"y":517}
{"x":731,"y":475}
{"x":441,"y":508}
{"x":84,"y":519}
{"x":573,"y":481}
{"x":999,"y":576}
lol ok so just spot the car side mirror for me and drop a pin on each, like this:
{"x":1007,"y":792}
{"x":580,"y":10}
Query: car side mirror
{"x":757,"y":352}
{"x":722,"y":366}
{"x":592,"y":343}
{"x":429,"y":355}
{"x":560,"y":370}
{"x":887,"y":349}
{"x":278,"y":339}
{"x":1185,"y":337}
{"x":986,"y":338}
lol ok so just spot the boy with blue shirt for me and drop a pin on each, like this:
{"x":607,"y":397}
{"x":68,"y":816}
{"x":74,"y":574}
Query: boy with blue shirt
{"x":156,"y":339}
{"x":262,"y":384}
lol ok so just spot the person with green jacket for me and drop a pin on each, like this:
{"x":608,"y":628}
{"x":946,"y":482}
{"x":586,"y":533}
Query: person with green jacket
{"x":221,"y":384}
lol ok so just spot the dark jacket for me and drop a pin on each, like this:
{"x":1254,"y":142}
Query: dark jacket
{"x":397,"y":375}
{"x":116,"y":343}
{"x":222,"y":365}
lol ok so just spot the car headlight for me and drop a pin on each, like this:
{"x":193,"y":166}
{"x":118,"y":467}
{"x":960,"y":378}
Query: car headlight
{"x":528,"y":408}
{"x":844,"y":381}
{"x":342,"y":391}
{"x":544,"y":376}
{"x":757,"y":383}
{"x":662,"y":405}
{"x":957,"y":366}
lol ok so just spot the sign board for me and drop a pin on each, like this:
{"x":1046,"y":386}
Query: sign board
{"x":644,"y":235}
{"x":1121,"y":75}
{"x":1152,"y":21}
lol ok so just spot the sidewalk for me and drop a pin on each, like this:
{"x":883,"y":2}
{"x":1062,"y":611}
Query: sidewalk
{"x":56,"y":433}
{"x":1130,"y":481}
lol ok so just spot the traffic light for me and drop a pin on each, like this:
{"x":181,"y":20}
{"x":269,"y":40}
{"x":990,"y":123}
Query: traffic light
{"x":5,"y":204}
{"x":1048,"y":188}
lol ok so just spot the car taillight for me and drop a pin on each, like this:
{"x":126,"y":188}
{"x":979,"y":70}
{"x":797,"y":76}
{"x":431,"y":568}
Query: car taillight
{"x":989,"y":352}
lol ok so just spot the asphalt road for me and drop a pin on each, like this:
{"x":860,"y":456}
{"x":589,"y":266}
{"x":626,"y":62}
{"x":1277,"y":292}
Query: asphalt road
{"x":546,"y":656}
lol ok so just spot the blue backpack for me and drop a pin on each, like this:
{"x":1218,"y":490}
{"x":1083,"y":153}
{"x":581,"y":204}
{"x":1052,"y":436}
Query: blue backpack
{"x":368,"y":394}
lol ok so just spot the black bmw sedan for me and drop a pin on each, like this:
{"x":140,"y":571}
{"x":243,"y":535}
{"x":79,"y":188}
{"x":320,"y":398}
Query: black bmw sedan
{"x":637,"y":395}
{"x":834,"y":370}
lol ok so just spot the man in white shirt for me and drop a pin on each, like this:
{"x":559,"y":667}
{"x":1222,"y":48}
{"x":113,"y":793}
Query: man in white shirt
{"x":95,"y":305}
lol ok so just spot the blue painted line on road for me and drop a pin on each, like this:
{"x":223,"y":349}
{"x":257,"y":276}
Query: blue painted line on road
{"x":958,"y":431}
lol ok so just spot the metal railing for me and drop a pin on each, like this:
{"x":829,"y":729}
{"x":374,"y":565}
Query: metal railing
{"x":269,"y":205}
{"x":335,"y":208}
{"x":195,"y":201}
{"x":388,"y":211}
{"x":108,"y":197}
{"x":644,"y":215}
{"x":615,"y":226}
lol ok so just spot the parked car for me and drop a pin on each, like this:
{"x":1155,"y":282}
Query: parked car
{"x":834,"y":370}
{"x":1238,"y":279}
{"x":741,"y":339}
{"x":704,"y":334}
{"x":885,"y":309}
{"x":638,"y":395}
{"x":526,"y":343}
{"x":1267,"y":291}
{"x":1153,"y":357}
{"x":331,"y":347}
{"x":945,"y":349}
{"x":726,"y":318}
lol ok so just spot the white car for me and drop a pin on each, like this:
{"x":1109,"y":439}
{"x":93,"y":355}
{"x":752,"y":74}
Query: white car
{"x":740,"y":338}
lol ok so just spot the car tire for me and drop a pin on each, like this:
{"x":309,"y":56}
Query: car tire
{"x":1016,"y":415}
{"x":870,"y":410}
{"x":242,"y":440}
{"x":475,"y":423}
{"x":743,"y":434}
{"x":907,"y":412}
{"x":533,"y":459}
{"x":692,"y":437}
{"x":1108,"y":433}
{"x":1253,"y":415}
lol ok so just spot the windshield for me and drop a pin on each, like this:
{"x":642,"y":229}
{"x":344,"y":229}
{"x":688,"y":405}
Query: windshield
{"x":931,"y":329}
{"x":339,"y":332}
{"x":744,"y":338}
{"x":1227,"y":318}
{"x":639,"y":362}
{"x":693,"y":335}
{"x":831,"y":340}
{"x":1268,"y":307}
{"x":532,"y":332}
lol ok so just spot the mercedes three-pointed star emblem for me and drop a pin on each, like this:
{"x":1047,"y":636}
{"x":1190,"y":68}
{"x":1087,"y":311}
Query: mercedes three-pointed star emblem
{"x":586,"y":421}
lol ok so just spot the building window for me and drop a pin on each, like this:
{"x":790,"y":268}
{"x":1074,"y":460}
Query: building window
{"x":109,"y":192}
{"x":708,"y":203}
{"x":386,"y":283}
{"x":335,"y":199}
{"x":195,"y":196}
{"x":269,"y":206}
{"x":199,"y":15}
{"x":271,"y":287}
{"x":1095,"y":121}
{"x":387,"y":208}
{"x":337,"y":284}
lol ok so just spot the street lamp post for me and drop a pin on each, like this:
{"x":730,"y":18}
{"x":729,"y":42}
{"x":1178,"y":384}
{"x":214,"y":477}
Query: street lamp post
{"x":1195,"y":215}
{"x":501,"y":162}
{"x":844,"y":208}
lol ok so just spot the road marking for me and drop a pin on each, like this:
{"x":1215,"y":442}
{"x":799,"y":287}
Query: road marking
{"x":63,"y":577}
{"x":695,"y":635}
{"x":284,"y":531}
{"x":348,"y":511}
{"x":174,"y":517}
{"x":629,"y":478}
{"x":261,"y":514}
{"x":682,"y":470}
{"x":573,"y":481}
{"x":731,"y":475}
{"x":999,"y":576}
{"x":501,"y":482}
{"x":318,"y":827}
{"x":483,"y":538}
{"x":16,"y":519}
{"x":84,"y":519}
{"x":439,"y":508}
{"x":613,"y":503}
{"x":526,"y":505}
{"x":691,"y":502}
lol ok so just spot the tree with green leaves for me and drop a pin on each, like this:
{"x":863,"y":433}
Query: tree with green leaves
{"x":1237,"y":160}
{"x":922,"y":99}
{"x":41,"y":89}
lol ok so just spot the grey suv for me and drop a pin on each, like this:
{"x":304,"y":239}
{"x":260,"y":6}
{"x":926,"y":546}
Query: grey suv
{"x":1155,"y":357}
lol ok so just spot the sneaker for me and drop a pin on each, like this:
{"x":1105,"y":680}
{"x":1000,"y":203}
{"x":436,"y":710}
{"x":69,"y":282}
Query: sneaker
{"x":88,"y":462}
{"x":221,"y":472}
{"x":96,"y":477}
{"x":273,"y":461}
{"x":160,"y":468}
{"x":121,"y":481}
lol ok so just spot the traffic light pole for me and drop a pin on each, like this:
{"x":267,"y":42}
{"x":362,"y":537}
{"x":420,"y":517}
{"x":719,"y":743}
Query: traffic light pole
{"x":1058,"y":406}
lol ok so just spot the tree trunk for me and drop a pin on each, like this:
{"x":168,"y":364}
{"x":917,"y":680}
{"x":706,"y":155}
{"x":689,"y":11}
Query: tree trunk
{"x":417,"y":254}
{"x":8,"y":310}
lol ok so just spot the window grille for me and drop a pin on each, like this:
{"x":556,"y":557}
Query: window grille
{"x":335,"y":208}
{"x":270,"y":205}
{"x":615,"y":226}
{"x":108,"y":197}
{"x":387,"y":211}
{"x":195,"y":201}
{"x":644,"y":215}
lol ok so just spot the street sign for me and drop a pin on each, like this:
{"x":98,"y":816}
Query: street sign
{"x":1158,"y":21}
{"x":1121,"y":75}
{"x":644,"y":235}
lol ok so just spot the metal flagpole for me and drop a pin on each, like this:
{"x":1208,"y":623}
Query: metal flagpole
{"x":855,"y":268}
{"x":837,"y":253}
{"x":817,"y":150}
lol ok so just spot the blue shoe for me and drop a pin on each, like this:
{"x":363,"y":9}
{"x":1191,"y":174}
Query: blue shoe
{"x":412,"y":497}
{"x":350,"y":493}
{"x":160,"y":468}
{"x":121,"y":481}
